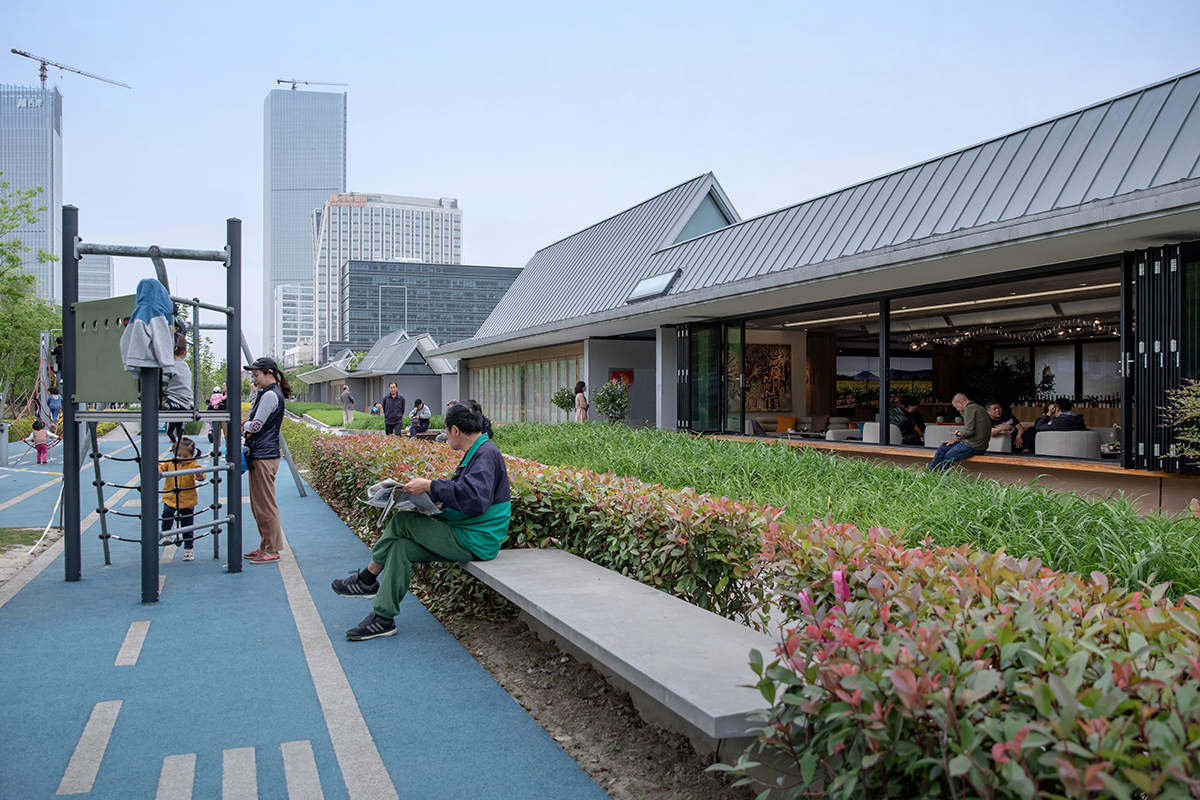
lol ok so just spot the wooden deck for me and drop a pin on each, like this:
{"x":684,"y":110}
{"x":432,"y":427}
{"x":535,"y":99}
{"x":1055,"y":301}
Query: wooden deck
{"x":1151,"y":491}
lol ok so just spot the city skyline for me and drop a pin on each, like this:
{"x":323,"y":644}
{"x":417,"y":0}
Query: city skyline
{"x":542,"y":119}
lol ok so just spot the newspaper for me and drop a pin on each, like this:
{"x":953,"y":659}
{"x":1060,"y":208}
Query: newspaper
{"x":390,"y":497}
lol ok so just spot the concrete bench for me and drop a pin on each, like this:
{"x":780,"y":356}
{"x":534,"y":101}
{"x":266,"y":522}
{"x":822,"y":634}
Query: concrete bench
{"x":685,"y":668}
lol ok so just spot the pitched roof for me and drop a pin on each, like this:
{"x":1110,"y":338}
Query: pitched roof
{"x":598,"y":267}
{"x":1144,"y":139}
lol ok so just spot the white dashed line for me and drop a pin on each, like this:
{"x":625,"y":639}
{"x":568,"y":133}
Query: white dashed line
{"x":177,"y":777}
{"x":131,"y":648}
{"x":85,"y":762}
{"x":300,"y":771}
{"x":239,"y":780}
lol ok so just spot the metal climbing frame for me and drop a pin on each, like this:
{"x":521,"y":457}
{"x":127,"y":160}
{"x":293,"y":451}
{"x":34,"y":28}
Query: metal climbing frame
{"x":231,"y":256}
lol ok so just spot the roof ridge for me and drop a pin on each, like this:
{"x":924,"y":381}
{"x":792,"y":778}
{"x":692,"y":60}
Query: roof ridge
{"x":626,"y":211}
{"x":959,"y":151}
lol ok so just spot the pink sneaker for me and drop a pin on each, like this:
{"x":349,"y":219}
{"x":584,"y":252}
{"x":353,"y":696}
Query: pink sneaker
{"x":265,"y":558}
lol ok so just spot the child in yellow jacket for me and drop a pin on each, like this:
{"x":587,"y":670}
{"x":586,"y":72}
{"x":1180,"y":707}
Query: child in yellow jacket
{"x":179,"y":494}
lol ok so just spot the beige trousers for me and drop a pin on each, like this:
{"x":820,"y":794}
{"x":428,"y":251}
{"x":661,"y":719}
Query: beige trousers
{"x":263,"y":505}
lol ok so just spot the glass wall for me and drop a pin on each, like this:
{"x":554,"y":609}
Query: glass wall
{"x":520,"y":391}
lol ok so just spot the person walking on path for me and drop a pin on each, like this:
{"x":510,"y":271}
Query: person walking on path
{"x":581,"y":402}
{"x":420,"y":419}
{"x":347,"y":407}
{"x":393,"y":411}
{"x":972,"y":440}
{"x":179,"y":494}
{"x":54,"y":403}
{"x":261,"y":432}
{"x":473,"y":522}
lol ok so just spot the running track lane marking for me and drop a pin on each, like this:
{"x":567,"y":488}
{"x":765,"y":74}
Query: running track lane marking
{"x":37,"y":489}
{"x":131,"y":648}
{"x":85,"y":762}
{"x":239,"y":778}
{"x":362,"y":769}
{"x":300,"y":771}
{"x":177,"y":777}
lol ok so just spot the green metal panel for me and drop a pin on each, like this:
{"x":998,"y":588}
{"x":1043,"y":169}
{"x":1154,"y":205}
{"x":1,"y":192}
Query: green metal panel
{"x":100,"y":373}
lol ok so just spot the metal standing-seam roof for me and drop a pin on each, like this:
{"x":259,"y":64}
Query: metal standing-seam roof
{"x":596,"y":269}
{"x":1145,"y":139}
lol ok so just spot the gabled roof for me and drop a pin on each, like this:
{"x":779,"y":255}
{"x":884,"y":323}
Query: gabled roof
{"x":386,"y":357}
{"x":1144,"y":139}
{"x":336,"y":369}
{"x":598,"y":267}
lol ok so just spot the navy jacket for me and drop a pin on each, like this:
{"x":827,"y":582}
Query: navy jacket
{"x":393,"y":408}
{"x":266,"y":417}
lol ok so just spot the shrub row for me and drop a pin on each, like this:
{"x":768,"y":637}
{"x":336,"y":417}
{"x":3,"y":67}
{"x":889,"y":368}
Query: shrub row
{"x":951,"y":672}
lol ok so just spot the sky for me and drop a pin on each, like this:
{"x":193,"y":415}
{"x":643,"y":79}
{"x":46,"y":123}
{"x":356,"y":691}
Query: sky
{"x":544,"y":118}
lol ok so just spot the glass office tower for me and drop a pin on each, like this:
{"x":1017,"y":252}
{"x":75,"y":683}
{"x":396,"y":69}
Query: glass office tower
{"x":31,"y":156}
{"x":304,"y":162}
{"x":95,"y":277}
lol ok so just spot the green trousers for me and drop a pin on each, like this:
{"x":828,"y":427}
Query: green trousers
{"x":411,"y":538}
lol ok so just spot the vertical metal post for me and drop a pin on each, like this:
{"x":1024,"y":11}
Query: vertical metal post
{"x":44,"y":360}
{"x":885,"y":368}
{"x":196,"y":390}
{"x":216,"y":487}
{"x":72,"y":554}
{"x":233,"y":371}
{"x":149,"y":484}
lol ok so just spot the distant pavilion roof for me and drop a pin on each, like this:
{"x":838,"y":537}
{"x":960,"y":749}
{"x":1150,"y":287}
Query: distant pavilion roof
{"x":1139,"y":142}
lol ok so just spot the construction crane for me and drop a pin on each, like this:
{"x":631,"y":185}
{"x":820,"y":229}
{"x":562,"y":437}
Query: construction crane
{"x":46,"y":61}
{"x":294,"y":81}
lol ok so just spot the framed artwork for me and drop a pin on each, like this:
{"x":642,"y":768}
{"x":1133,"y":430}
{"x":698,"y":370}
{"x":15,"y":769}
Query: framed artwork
{"x":622,"y":375}
{"x":768,"y":377}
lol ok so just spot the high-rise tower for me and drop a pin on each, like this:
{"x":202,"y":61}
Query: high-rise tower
{"x":31,"y":155}
{"x":304,"y":162}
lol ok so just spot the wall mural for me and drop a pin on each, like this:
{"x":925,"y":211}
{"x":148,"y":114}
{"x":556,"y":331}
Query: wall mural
{"x":768,"y":377}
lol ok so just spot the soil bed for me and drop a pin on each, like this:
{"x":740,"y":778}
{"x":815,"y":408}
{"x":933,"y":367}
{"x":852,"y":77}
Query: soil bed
{"x":596,"y":724}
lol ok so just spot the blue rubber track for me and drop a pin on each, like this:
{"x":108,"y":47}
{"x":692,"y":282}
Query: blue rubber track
{"x":223,"y":668}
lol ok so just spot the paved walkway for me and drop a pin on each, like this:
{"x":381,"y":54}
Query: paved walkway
{"x":242,"y":686}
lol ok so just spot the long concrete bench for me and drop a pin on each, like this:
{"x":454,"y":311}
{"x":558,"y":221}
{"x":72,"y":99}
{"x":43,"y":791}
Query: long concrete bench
{"x":685,"y":668}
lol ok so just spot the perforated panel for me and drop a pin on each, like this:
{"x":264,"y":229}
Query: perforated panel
{"x":100,"y":374}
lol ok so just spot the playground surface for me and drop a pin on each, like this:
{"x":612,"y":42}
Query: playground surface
{"x":242,"y":685}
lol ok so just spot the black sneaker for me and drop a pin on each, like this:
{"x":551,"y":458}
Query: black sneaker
{"x":371,"y":627}
{"x":355,"y":586}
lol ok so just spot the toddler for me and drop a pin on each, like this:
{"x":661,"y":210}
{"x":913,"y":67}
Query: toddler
{"x":41,"y":439}
{"x":179,"y":494}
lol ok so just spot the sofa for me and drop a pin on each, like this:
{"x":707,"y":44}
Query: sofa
{"x":770,"y":424}
{"x":1068,"y":444}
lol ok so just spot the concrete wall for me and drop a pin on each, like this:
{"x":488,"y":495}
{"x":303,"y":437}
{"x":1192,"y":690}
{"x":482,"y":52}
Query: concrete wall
{"x":799,"y":342}
{"x":600,"y":356}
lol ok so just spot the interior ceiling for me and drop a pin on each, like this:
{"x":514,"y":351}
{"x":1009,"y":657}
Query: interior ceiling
{"x":1035,"y":302}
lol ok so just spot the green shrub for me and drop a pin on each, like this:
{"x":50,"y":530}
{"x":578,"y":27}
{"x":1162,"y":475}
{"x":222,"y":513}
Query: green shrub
{"x":1066,"y":531}
{"x":299,"y":438}
{"x":612,"y":400}
{"x":192,"y":428}
{"x":18,"y":429}
{"x":949,"y":672}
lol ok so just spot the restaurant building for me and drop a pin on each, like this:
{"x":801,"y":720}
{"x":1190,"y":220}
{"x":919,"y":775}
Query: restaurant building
{"x":1058,"y":260}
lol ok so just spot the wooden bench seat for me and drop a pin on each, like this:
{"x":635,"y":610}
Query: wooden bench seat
{"x":684,"y":667}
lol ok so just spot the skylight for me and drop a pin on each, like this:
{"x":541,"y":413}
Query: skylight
{"x":654,"y":286}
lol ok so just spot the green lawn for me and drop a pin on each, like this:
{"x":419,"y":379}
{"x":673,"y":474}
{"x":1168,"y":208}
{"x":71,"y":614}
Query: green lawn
{"x":19,"y":537}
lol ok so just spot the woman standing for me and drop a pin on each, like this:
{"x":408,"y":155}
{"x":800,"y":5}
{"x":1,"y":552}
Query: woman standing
{"x":261,"y":433}
{"x":581,"y":403}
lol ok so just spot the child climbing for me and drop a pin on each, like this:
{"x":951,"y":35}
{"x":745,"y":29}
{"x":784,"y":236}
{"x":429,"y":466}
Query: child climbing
{"x":179,"y":494}
{"x":40,"y":440}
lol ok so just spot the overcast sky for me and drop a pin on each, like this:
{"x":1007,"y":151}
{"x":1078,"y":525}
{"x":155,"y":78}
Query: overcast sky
{"x":543,"y":118}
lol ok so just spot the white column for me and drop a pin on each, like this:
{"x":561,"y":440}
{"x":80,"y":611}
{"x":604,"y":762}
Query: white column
{"x":665,"y":357}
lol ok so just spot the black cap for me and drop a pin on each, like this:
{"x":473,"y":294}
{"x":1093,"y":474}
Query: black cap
{"x":263,"y":364}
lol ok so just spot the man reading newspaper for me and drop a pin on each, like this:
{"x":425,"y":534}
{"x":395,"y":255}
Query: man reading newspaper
{"x":474,"y":518}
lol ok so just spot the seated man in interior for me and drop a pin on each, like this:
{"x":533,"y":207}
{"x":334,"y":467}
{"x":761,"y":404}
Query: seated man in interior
{"x":907,"y":417}
{"x":1058,"y":417}
{"x":1005,"y":424}
{"x":473,"y":523}
{"x":970,"y":441}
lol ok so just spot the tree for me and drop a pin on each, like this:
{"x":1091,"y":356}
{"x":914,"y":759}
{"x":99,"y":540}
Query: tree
{"x":612,"y":399}
{"x":22,"y":316}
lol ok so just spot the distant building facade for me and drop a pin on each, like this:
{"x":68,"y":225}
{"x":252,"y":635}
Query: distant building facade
{"x":31,"y":155}
{"x":376,"y":227}
{"x":96,"y":277}
{"x":293,"y":315}
{"x":304,"y":162}
{"x":447,"y":301}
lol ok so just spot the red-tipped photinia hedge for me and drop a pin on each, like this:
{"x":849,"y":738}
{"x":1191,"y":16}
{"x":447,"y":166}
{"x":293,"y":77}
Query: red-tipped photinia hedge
{"x":901,"y":672}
